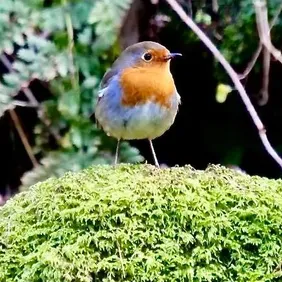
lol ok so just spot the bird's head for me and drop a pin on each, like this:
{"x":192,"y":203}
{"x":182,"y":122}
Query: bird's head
{"x":145,"y":54}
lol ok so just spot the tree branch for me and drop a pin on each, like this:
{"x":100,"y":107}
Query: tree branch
{"x":23,"y":137}
{"x":23,"y":104}
{"x":266,"y":62}
{"x":233,"y":75}
{"x":263,"y":29}
{"x":251,"y":64}
{"x":263,"y":99}
{"x":256,"y":54}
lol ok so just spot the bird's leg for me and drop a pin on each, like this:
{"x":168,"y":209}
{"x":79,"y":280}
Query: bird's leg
{"x":154,"y":154}
{"x":117,"y":151}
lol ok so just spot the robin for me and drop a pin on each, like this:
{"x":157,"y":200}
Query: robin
{"x":137,"y":97}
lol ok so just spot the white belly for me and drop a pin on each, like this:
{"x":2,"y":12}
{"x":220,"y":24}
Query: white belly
{"x":147,"y":121}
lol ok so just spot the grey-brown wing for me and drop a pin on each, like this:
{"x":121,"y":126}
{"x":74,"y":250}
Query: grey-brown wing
{"x":102,"y":91}
{"x":104,"y":84}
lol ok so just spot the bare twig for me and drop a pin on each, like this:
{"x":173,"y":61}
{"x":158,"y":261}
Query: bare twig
{"x":263,"y":29}
{"x":15,"y":103}
{"x":263,"y":99}
{"x":71,"y":48}
{"x":23,"y":137}
{"x":233,"y":75}
{"x":256,"y":54}
{"x":69,"y":27}
{"x":23,"y":104}
{"x":251,"y":64}
{"x":275,"y":18}
{"x":190,"y":7}
{"x":215,"y":6}
{"x":266,"y":61}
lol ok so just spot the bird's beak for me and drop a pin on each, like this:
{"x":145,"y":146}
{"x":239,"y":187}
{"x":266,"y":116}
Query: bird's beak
{"x":172,"y":55}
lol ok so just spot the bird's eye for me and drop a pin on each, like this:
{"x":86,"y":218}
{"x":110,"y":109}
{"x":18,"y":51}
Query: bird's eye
{"x":147,"y":57}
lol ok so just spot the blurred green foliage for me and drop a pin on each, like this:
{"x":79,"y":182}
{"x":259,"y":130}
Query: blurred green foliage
{"x":69,"y":45}
{"x":239,"y":30}
{"x":234,"y":28}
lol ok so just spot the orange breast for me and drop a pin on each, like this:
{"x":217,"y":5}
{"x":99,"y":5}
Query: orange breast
{"x":144,"y":84}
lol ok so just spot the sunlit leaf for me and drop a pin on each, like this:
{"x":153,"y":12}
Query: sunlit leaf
{"x":222,"y":92}
{"x":27,"y":55}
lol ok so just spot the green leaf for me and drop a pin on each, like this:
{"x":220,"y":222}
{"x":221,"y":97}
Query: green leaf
{"x":222,"y":92}
{"x":202,"y":17}
{"x":19,"y":39}
{"x":5,"y":103}
{"x":85,"y":36}
{"x":90,"y":82}
{"x":27,"y":55}
{"x":7,"y":46}
{"x":130,"y":154}
{"x":12,"y":79}
{"x":68,"y":103}
{"x":76,"y":136}
{"x":62,"y":64}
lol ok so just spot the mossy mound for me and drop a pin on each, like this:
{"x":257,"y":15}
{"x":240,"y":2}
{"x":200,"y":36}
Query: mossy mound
{"x":138,"y":223}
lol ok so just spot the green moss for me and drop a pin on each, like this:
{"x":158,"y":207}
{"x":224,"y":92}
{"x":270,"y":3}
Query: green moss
{"x":138,"y":223}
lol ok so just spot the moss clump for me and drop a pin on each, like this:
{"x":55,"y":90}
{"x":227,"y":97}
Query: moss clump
{"x":138,"y":223}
